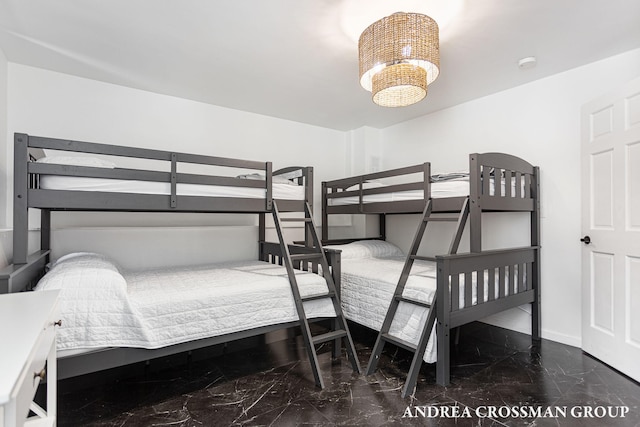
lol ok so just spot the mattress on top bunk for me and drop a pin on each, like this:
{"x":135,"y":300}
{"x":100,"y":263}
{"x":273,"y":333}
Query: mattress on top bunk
{"x":283,"y":188}
{"x":74,"y":183}
{"x":370,"y":273}
{"x":454,"y":188}
{"x":102,"y":307}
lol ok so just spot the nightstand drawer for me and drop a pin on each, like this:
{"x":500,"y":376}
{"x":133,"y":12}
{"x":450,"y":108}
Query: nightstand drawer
{"x":35,"y":371}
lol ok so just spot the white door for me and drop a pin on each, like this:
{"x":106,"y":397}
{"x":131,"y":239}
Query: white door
{"x":611,"y":220}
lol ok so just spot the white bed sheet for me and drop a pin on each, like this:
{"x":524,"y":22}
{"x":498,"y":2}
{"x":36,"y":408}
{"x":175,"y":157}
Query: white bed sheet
{"x":74,"y":183}
{"x":175,"y":305}
{"x":454,"y":188}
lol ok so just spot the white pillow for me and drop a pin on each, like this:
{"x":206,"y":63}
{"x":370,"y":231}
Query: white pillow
{"x":85,"y":259}
{"x":368,"y":249}
{"x":88,"y":274}
{"x":93,"y":162}
{"x":92,"y":299}
{"x":276,"y":179}
{"x":350,"y":250}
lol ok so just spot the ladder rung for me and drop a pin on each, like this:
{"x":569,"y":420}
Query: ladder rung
{"x":441,"y":218}
{"x":413,"y":301}
{"x":423,"y":258}
{"x":400,"y":343}
{"x":306,"y":257}
{"x":318,"y":296}
{"x":295,"y":219}
{"x":329,"y":336}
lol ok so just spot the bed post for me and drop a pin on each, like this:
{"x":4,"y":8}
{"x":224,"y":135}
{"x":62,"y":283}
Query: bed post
{"x":261,"y":236}
{"x":535,"y":241}
{"x":426,"y":178}
{"x":333,"y":259}
{"x":20,"y":202}
{"x":269,"y":180}
{"x":45,"y":229}
{"x":308,"y":196}
{"x":173,"y":199}
{"x":382,"y":225}
{"x":325,"y":215}
{"x":442,"y":305}
{"x":475,"y":210}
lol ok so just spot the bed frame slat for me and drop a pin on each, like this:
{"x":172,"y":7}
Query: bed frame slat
{"x":507,"y":183}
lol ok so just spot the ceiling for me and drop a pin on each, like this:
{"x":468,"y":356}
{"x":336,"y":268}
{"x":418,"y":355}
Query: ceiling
{"x":297,"y":60}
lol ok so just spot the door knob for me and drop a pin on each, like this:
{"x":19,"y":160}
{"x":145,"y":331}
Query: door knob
{"x":586,"y":240}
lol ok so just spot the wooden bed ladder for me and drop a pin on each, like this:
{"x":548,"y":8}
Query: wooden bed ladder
{"x":383,"y":335}
{"x":341,"y":330}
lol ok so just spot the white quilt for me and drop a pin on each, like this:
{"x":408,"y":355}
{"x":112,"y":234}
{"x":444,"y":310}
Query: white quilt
{"x":367,"y":288}
{"x":102,"y":308}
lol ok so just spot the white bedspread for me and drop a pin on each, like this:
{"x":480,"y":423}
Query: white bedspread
{"x":367,"y":288}
{"x":154,"y":309}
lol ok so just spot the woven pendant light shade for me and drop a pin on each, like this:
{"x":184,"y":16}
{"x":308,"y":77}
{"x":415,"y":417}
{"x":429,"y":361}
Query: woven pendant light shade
{"x":399,"y":58}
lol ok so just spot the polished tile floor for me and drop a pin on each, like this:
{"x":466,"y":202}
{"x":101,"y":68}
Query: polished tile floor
{"x":251,"y":383}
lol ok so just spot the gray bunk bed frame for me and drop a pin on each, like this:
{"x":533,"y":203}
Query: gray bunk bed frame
{"x":28,"y":268}
{"x":519,"y":267}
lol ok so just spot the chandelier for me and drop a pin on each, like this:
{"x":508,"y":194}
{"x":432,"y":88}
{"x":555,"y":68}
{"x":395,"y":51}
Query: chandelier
{"x":399,"y":58}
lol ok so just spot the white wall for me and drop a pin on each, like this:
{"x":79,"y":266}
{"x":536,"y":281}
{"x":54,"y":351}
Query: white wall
{"x":4,"y":159}
{"x":51,"y":104}
{"x":363,"y":156}
{"x":539,"y":122}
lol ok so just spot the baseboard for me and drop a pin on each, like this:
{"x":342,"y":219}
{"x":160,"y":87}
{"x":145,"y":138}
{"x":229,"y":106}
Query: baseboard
{"x":562,"y":338}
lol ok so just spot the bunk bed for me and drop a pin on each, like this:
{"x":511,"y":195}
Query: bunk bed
{"x":300,"y":279}
{"x":426,"y":294}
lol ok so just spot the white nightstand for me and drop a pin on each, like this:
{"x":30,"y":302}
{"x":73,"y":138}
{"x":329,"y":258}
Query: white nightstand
{"x":28,"y":355}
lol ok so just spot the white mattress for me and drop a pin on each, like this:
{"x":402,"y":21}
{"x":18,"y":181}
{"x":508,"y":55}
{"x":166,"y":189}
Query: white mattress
{"x":154,"y":309}
{"x":73,"y":183}
{"x":453,"y":188}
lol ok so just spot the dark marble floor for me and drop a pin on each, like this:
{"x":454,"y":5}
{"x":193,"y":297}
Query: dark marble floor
{"x":271,"y":385}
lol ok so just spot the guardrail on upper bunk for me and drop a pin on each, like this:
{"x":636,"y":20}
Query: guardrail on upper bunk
{"x":356,"y":186}
{"x":31,"y":147}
